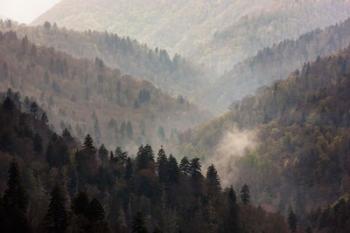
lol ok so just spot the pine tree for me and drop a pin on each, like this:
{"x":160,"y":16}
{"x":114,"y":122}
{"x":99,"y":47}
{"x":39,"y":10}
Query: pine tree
{"x":95,"y":211}
{"x":292,"y":221}
{"x":15,"y":197}
{"x":128,"y":169}
{"x":162,"y":165}
{"x":245,"y":195}
{"x":196,"y":177}
{"x":173,"y":170}
{"x":56,"y":220}
{"x":120,"y":154}
{"x":185,"y":166}
{"x":89,"y":143}
{"x":103,"y":154}
{"x":213,"y":182}
{"x":138,"y":225}
{"x":37,"y":144}
{"x":15,"y":203}
{"x":8,"y":104}
{"x":231,"y":220}
{"x":80,"y":204}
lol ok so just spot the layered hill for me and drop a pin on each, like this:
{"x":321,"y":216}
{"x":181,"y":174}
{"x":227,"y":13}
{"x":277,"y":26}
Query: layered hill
{"x":88,"y":97}
{"x":293,"y":137}
{"x":275,"y":63}
{"x":217,"y":33}
{"x":174,"y":74}
{"x":48,"y":179}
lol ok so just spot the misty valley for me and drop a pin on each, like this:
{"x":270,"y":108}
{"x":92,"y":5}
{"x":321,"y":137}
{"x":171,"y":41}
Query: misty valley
{"x":174,"y":116}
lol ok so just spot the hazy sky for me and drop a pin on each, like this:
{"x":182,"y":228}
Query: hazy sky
{"x":24,"y":10}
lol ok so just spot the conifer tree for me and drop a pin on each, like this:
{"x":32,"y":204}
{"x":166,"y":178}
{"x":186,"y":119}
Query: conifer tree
{"x":231,"y":220}
{"x":37,"y":144}
{"x":185,"y":166}
{"x":103,"y":154}
{"x":15,"y":203}
{"x":56,"y":220}
{"x":89,"y":143}
{"x":292,"y":221}
{"x":213,"y":182}
{"x":128,"y":169}
{"x":162,"y":165}
{"x":173,"y":170}
{"x":80,"y":204}
{"x":245,"y":195}
{"x":196,"y":177}
{"x":8,"y":104}
{"x":138,"y":224}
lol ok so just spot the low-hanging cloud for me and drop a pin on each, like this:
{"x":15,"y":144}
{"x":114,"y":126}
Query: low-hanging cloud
{"x":233,"y":145}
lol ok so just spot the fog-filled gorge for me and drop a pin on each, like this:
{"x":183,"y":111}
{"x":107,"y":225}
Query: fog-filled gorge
{"x":176,"y":116}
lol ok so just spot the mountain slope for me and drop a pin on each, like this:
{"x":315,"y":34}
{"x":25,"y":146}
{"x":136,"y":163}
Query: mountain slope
{"x":88,"y":97}
{"x":275,"y":63}
{"x":92,"y":188}
{"x":295,"y":136}
{"x":218,"y":33}
{"x":174,"y":75}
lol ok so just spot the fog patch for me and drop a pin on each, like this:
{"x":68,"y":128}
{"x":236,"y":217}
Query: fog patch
{"x":233,"y":145}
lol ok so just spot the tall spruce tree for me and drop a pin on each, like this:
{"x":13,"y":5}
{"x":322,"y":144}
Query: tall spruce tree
{"x":245,"y":194}
{"x":173,"y":170}
{"x":162,"y":165}
{"x":138,"y":224}
{"x":292,"y":221}
{"x":231,"y":219}
{"x":185,"y":166}
{"x":213,"y":182}
{"x":15,"y":203}
{"x":56,"y":219}
{"x":80,"y":204}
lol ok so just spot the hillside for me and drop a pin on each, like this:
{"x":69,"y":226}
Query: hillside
{"x":88,"y":97}
{"x":218,"y":33}
{"x":53,"y":184}
{"x":293,"y":137}
{"x":275,"y":63}
{"x":174,"y":75}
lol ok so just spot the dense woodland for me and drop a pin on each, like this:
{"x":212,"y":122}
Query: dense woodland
{"x":275,"y":63}
{"x":175,"y":75}
{"x":217,"y":33}
{"x":302,"y":125}
{"x":54,"y":184}
{"x":98,"y":134}
{"x":88,"y":97}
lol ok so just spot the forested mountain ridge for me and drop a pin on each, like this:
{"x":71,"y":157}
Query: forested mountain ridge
{"x":275,"y":63}
{"x":88,"y":97}
{"x":175,"y":75}
{"x":54,"y":184}
{"x":300,"y":153}
{"x":217,"y":33}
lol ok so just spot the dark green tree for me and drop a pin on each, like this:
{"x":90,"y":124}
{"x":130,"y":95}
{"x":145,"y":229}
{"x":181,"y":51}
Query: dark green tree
{"x":89,"y":143}
{"x":56,"y":219}
{"x":292,"y":221}
{"x":80,"y":204}
{"x":57,"y":154}
{"x":173,"y":170}
{"x":213,"y":182}
{"x":231,"y":218}
{"x":185,"y":166}
{"x":245,"y":195}
{"x":162,"y":166}
{"x":138,"y":224}
{"x":103,"y":154}
{"x":37,"y":144}
{"x":95,"y":211}
{"x":15,"y":204}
